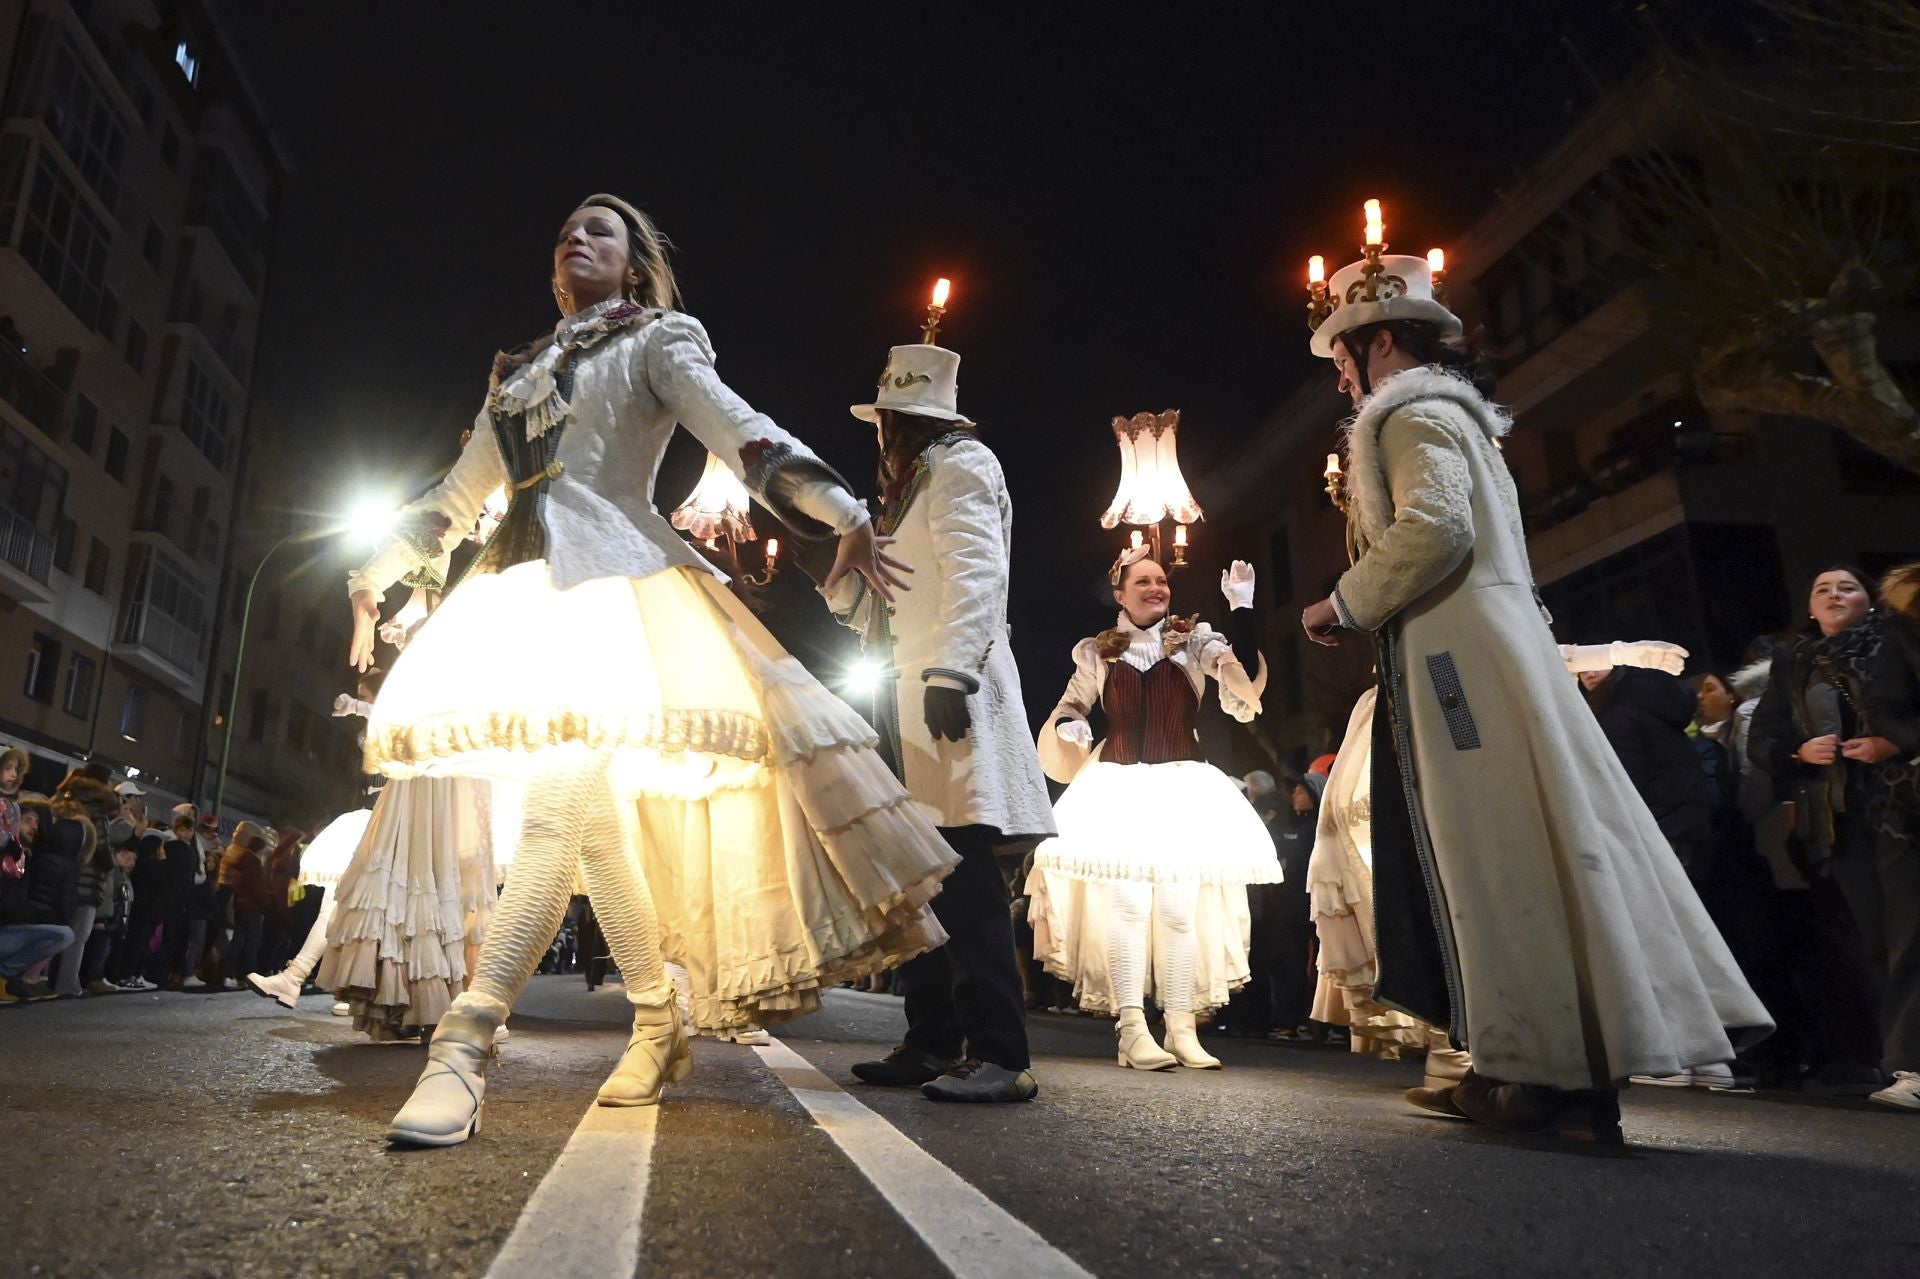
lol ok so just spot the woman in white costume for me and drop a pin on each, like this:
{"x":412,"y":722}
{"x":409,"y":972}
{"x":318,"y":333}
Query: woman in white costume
{"x":721,"y":806}
{"x":1144,"y":890}
{"x":323,"y":863}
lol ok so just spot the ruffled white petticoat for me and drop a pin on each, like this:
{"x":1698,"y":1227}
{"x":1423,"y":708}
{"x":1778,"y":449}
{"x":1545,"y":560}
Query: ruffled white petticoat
{"x":782,"y":855}
{"x":1155,"y":823}
{"x":411,"y":907}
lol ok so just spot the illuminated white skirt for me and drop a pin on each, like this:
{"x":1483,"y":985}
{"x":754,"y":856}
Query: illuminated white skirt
{"x":782,"y":854}
{"x":1181,"y":823}
{"x":411,"y":906}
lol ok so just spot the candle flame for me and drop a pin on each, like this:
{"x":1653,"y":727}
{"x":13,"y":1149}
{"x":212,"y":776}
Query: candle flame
{"x":1136,"y":539}
{"x":773,"y":549}
{"x":1179,"y":535}
{"x":942,"y":288}
{"x":1333,"y":465}
{"x":1316,"y":269}
{"x":1376,"y":228}
{"x":1437,"y":261}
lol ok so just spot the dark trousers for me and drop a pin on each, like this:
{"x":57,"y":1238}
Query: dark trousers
{"x":131,"y":955}
{"x":964,"y":999}
{"x":1881,"y":884}
{"x":93,"y":962}
{"x":1279,"y":989}
{"x":243,"y":950}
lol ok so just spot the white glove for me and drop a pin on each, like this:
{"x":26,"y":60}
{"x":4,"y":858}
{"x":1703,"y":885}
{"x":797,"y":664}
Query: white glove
{"x":343,"y":704}
{"x":1075,"y":732}
{"x":1236,"y":583}
{"x":1657,"y":655}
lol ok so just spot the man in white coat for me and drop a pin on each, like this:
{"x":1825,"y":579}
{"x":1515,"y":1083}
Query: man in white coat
{"x":1525,"y":898}
{"x":952,"y":717}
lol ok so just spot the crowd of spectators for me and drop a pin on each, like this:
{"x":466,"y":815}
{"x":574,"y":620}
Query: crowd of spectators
{"x":97,"y":899}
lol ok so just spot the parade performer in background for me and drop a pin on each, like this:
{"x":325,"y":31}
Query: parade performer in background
{"x":1144,"y":892}
{"x":953,"y":725}
{"x":1526,"y":899}
{"x":723,"y":808}
{"x":325,"y":860}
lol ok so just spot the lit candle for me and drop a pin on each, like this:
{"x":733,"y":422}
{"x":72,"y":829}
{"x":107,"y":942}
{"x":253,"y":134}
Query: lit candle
{"x":1179,"y":535}
{"x":773,"y":549}
{"x":713,"y":544}
{"x":1316,"y":270}
{"x":1376,"y":229}
{"x":941,"y":289}
{"x":1136,"y":539}
{"x":1437,"y":262}
{"x":1333,"y":465}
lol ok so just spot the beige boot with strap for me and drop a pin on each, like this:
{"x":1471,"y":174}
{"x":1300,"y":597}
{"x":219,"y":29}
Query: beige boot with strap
{"x":657,"y":1054}
{"x":1137,"y":1048}
{"x":444,"y":1109}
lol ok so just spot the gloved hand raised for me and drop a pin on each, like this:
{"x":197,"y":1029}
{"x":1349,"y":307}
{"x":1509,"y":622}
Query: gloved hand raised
{"x":1236,"y":583}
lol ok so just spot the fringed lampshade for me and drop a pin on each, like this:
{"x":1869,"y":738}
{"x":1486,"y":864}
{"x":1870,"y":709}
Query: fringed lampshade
{"x":717,"y":507}
{"x":1151,"y":486}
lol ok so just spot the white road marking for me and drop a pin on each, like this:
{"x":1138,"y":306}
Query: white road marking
{"x":972,"y":1236}
{"x":584,"y":1217}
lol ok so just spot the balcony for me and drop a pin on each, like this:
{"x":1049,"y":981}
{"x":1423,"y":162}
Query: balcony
{"x":33,"y":394}
{"x":161,"y":647}
{"x":26,"y":558}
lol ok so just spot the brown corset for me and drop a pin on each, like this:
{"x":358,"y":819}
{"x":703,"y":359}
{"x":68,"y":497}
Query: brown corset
{"x":1150,"y":714}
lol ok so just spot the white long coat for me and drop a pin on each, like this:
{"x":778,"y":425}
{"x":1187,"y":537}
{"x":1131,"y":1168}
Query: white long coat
{"x":1565,"y":903}
{"x":957,"y":533}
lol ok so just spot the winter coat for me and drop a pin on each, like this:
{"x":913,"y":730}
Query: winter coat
{"x":16,"y":896}
{"x":956,"y":530}
{"x":53,"y":873}
{"x":1645,"y":714}
{"x":243,"y":872}
{"x":152,"y":883}
{"x":627,"y":390}
{"x":1893,"y":691}
{"x":1525,"y":897}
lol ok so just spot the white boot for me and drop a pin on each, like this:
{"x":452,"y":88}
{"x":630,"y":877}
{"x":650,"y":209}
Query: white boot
{"x":283,"y":987}
{"x":444,"y":1109}
{"x":1184,"y":1044}
{"x":751,"y":1035}
{"x":1137,"y":1048}
{"x":657,"y":1054}
{"x":341,"y":1008}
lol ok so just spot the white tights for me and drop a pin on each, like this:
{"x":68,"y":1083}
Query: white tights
{"x":569,"y":819}
{"x":300,"y":967}
{"x":1157,"y":920}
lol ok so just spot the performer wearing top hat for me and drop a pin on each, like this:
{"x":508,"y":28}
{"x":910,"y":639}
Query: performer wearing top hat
{"x":1526,"y":900}
{"x":953,"y":723}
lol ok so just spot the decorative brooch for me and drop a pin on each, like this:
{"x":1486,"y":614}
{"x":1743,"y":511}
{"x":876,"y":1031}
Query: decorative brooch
{"x":1178,"y":631}
{"x":1112,"y":643}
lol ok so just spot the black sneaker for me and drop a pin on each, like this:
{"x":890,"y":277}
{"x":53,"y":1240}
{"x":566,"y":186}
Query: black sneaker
{"x":31,"y":992}
{"x":982,"y":1081}
{"x":904,"y":1067}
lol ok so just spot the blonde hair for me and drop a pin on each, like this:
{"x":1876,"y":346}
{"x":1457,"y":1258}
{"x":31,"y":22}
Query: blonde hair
{"x":1900,"y":590}
{"x":646,"y":251}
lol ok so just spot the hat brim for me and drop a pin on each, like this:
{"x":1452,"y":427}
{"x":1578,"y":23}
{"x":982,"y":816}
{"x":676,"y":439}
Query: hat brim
{"x":1348,"y":318}
{"x":871,"y":412}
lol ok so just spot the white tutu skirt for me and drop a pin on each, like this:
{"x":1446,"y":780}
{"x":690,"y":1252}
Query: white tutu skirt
{"x":782,"y":854}
{"x":1179,"y":823}
{"x":411,"y":906}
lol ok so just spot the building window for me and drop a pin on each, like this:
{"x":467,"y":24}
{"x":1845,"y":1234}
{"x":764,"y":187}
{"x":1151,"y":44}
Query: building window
{"x":109,"y":316}
{"x":182,"y":733}
{"x":77,"y":696}
{"x":64,"y":534}
{"x":81,"y":117}
{"x":162,"y":504}
{"x":169,"y":614}
{"x":99,"y":564}
{"x":210,"y":544}
{"x":117,"y":446}
{"x":86,"y":424}
{"x":203,"y":415}
{"x":43,"y":666}
{"x":136,"y":347}
{"x":154,"y":247}
{"x":257,"y":726}
{"x":31,"y":483}
{"x":188,"y":61}
{"x":133,"y":713}
{"x":65,"y":242}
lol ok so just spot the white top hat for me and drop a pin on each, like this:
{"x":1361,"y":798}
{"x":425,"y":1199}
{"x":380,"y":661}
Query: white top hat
{"x":1405,"y":292}
{"x":919,"y":379}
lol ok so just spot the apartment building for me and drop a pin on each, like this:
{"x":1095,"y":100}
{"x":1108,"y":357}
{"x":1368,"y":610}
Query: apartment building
{"x":138,"y":185}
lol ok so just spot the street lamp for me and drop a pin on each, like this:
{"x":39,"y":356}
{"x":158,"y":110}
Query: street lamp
{"x":370,"y":520}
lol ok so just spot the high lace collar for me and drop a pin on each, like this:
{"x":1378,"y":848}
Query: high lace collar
{"x":569,"y":323}
{"x":1126,"y":623}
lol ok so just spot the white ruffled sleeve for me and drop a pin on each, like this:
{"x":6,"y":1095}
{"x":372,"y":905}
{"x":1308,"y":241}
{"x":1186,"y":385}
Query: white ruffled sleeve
{"x":428,"y":528}
{"x":1239,"y":692}
{"x":1062,"y":760}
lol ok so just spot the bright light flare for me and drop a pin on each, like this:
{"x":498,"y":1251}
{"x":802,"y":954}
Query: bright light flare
{"x":372,"y":519}
{"x":942,"y":289}
{"x":1316,"y":270}
{"x":863,"y":676}
{"x":1437,"y":262}
{"x":1376,"y":227}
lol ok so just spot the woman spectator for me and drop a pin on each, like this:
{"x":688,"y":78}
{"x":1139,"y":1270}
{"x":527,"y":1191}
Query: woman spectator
{"x":1891,"y":917}
{"x":243,"y":873}
{"x":283,"y":868}
{"x":1813,"y":735}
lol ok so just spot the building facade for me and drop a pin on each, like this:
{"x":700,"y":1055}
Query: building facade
{"x":138,"y":186}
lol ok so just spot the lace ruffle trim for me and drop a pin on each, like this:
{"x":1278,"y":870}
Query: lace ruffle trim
{"x":399,"y":750}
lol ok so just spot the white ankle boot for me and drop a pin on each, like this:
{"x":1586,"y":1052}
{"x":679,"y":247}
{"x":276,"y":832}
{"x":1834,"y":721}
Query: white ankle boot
{"x":1137,"y":1048}
{"x":1184,"y":1044}
{"x":283,"y":987}
{"x":444,"y":1109}
{"x":657,"y":1054}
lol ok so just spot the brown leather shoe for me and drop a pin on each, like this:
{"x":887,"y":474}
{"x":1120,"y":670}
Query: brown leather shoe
{"x":1438,"y":1101}
{"x":1591,"y":1114}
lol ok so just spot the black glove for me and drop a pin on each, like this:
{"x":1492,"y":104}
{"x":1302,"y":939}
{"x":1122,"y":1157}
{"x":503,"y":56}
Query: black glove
{"x":948,"y":718}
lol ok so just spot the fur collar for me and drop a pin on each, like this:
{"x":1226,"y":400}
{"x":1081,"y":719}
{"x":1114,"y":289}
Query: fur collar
{"x":1367,"y":474}
{"x":1751,"y":680}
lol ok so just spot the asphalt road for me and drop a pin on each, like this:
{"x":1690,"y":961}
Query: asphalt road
{"x":168,"y":1134}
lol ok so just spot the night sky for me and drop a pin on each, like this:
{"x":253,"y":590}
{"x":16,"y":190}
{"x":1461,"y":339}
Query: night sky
{"x":1124,"y":206}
